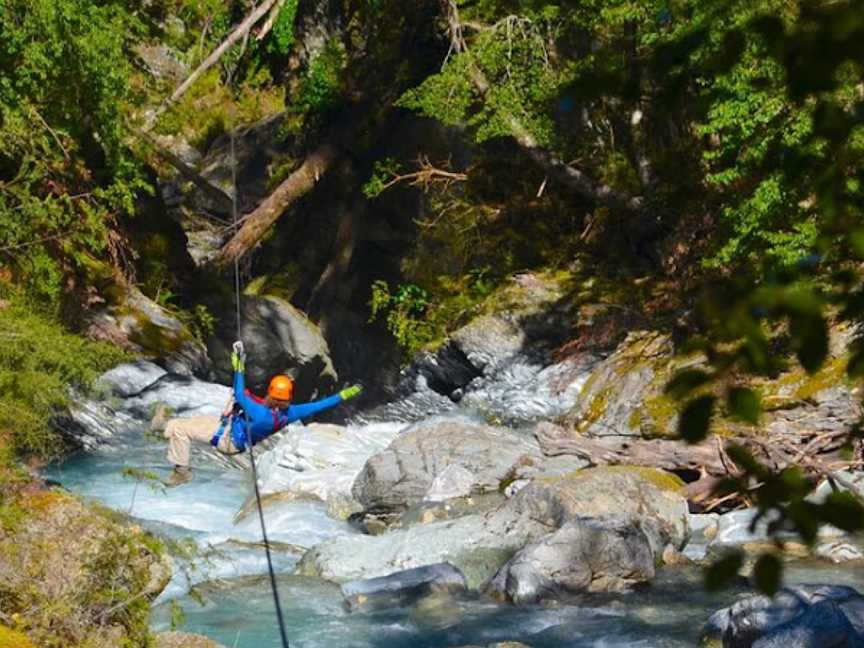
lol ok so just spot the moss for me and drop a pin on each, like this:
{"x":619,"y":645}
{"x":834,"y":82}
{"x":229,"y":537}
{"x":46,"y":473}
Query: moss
{"x":795,"y":386}
{"x":596,"y":408}
{"x":12,"y":639}
{"x":659,"y":478}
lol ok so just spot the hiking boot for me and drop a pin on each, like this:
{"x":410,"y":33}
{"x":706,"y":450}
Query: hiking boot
{"x":160,"y":418}
{"x":180,"y":475}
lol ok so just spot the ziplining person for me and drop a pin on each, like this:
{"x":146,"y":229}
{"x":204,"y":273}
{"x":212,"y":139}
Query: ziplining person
{"x":228,"y":433}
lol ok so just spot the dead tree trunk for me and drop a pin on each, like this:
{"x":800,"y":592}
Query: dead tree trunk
{"x":256,"y":224}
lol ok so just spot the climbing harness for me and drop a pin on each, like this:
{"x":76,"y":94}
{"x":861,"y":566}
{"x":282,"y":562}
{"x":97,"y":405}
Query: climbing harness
{"x":270,"y":569}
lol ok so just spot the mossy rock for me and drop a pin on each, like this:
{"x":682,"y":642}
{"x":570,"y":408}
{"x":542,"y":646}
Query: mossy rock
{"x":74,"y":577}
{"x":661,"y":479}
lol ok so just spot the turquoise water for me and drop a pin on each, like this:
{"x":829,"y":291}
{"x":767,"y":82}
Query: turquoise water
{"x":233,"y":601}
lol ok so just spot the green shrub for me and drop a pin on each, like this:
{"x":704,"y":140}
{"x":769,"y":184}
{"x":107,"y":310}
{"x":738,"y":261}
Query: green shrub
{"x":39,"y":363}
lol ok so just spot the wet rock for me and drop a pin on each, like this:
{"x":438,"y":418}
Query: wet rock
{"x":448,"y":509}
{"x":807,"y":616}
{"x":184,"y":640}
{"x":139,"y":324}
{"x":838,"y":552}
{"x":462,"y":455}
{"x":322,"y":460}
{"x":129,"y":379}
{"x":280,"y":339}
{"x":609,"y":554}
{"x":403,"y":588}
{"x":480,"y":544}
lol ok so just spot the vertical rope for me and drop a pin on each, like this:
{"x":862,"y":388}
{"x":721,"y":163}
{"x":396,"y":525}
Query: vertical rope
{"x":237,"y":292}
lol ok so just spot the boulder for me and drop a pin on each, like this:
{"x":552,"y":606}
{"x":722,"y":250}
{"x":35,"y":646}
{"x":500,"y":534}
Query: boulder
{"x":139,"y":324}
{"x":440,"y":457}
{"x":322,"y":460}
{"x":403,"y":588}
{"x":130,"y":379}
{"x":624,"y":394}
{"x":807,"y":616}
{"x":609,"y":554}
{"x":279,"y":339}
{"x":608,"y":490}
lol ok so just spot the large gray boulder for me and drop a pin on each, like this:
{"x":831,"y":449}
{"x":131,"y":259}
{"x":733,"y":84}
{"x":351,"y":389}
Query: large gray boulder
{"x":137,"y":323}
{"x":608,"y":490}
{"x":807,"y":616}
{"x":437,"y":459}
{"x":609,"y":554}
{"x":279,"y":339}
{"x":403,"y":588}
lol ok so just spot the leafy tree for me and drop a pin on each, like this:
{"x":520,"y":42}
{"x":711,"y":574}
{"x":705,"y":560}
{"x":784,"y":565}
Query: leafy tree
{"x":66,"y":173}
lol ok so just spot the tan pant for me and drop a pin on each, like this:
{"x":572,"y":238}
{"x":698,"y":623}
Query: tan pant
{"x":180,"y":433}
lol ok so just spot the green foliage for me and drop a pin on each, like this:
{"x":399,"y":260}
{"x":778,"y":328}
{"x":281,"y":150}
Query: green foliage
{"x":321,"y":87}
{"x":39,"y":362}
{"x":404,"y":314}
{"x":282,"y":35}
{"x":65,"y":170}
{"x":382,"y":173}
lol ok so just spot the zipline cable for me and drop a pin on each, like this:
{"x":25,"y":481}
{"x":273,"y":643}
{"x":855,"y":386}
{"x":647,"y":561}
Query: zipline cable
{"x":273,"y":586}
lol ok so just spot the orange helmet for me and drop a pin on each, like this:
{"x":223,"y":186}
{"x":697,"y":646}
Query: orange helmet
{"x":281,"y":388}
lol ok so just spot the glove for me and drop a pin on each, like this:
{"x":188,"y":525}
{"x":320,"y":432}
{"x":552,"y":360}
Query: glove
{"x":350,"y":392}
{"x":238,"y":356}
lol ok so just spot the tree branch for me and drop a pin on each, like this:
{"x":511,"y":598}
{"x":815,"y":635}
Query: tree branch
{"x":242,"y":30}
{"x":567,"y":174}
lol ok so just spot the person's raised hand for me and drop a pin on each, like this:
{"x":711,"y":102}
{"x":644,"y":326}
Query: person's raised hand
{"x":238,"y":356}
{"x":351,"y":392}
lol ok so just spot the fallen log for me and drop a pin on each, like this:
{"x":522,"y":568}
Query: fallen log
{"x":296,"y":185}
{"x":656,"y":453}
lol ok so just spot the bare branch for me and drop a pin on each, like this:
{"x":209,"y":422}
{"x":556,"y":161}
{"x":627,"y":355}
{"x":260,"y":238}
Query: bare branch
{"x":426,"y":176}
{"x":240,"y":32}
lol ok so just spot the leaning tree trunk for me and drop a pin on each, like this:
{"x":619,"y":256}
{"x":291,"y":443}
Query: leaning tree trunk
{"x":256,"y":224}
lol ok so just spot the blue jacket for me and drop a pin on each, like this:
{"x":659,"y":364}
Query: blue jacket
{"x":264,"y":421}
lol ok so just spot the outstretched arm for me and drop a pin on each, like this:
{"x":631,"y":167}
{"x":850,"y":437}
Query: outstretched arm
{"x":304,"y":410}
{"x":238,"y":363}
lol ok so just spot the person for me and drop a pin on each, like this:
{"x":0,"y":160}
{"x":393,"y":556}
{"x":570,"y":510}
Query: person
{"x":229,"y":433}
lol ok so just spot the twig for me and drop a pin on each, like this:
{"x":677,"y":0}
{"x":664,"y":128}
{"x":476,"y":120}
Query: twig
{"x":426,"y":176}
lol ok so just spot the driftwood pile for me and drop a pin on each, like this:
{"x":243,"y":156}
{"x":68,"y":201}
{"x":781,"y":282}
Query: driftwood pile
{"x":820,"y":455}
